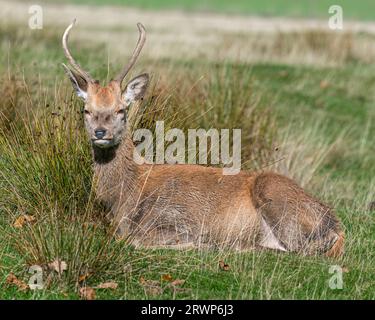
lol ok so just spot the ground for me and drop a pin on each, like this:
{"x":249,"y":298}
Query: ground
{"x":302,"y":94}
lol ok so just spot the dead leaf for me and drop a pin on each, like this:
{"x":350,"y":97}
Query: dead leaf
{"x":58,"y":265}
{"x":166,"y":277}
{"x":107,"y":285}
{"x":175,"y":286}
{"x":345,"y":269}
{"x":223,"y":266}
{"x":177,"y":282}
{"x":151,"y":287}
{"x":154,"y":290}
{"x":87,"y":293}
{"x":12,"y":279}
{"x":22,"y":220}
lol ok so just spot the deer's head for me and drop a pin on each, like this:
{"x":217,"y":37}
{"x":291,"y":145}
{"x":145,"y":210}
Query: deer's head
{"x":106,"y":106}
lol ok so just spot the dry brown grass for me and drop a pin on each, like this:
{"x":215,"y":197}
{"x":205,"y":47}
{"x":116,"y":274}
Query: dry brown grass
{"x":214,"y":37}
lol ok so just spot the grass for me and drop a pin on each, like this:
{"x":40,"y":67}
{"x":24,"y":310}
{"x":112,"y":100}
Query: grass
{"x":293,"y":8}
{"x":315,"y":124}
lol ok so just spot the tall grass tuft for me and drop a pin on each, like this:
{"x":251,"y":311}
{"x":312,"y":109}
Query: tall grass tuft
{"x":212,"y":96}
{"x":45,"y":163}
{"x":46,"y":174}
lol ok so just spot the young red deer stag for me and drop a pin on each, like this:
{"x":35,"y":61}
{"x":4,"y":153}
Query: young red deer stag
{"x":191,"y":205}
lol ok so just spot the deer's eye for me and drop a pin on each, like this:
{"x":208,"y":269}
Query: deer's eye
{"x":121,"y":111}
{"x":86,"y":112}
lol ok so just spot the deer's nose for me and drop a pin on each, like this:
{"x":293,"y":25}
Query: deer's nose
{"x":100,"y":133}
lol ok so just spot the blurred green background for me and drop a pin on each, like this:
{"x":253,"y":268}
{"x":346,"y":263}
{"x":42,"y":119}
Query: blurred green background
{"x":359,"y":10}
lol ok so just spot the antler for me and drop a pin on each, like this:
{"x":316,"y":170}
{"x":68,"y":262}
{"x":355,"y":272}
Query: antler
{"x":70,"y":58}
{"x":141,"y":41}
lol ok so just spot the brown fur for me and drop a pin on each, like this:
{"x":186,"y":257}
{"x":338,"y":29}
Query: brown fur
{"x":338,"y":248}
{"x":191,"y":205}
{"x":104,"y":97}
{"x":158,"y":205}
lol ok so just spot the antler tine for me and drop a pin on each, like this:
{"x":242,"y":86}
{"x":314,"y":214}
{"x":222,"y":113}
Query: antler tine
{"x":141,"y":41}
{"x":70,"y":58}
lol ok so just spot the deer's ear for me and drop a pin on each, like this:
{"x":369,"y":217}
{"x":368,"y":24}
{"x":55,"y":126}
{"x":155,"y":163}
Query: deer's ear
{"x":79,"y":83}
{"x":135,"y":89}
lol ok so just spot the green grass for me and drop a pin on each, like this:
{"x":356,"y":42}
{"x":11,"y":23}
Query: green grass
{"x":360,"y":10}
{"x":313,"y":115}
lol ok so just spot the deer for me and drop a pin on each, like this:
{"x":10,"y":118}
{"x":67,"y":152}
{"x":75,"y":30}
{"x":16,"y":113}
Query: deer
{"x":190,"y":205}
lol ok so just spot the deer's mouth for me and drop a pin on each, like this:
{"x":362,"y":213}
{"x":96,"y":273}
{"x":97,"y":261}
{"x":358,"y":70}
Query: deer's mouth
{"x":103,"y":143}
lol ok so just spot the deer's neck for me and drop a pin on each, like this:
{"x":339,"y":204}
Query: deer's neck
{"x":116,"y":174}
